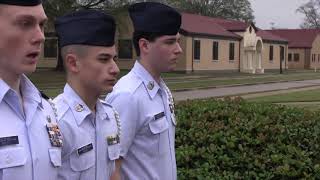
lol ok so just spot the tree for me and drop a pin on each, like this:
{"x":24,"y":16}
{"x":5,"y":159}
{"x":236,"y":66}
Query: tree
{"x":228,"y":9}
{"x":311,"y":11}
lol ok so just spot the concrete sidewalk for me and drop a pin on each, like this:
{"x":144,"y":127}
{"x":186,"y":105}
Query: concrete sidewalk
{"x":246,"y":89}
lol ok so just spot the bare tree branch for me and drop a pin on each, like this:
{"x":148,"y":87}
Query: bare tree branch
{"x":311,"y":11}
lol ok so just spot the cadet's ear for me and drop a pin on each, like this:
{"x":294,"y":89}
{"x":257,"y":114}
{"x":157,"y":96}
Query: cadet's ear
{"x":72,"y":63}
{"x":144,"y":46}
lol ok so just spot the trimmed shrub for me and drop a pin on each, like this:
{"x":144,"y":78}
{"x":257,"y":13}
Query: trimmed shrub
{"x":234,"y":139}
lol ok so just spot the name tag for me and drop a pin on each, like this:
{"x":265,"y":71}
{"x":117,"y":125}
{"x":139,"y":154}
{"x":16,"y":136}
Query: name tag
{"x":11,"y":140}
{"x":159,"y":115}
{"x":85,"y":149}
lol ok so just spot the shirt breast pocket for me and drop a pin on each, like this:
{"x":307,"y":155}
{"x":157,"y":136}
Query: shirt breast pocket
{"x":12,"y":157}
{"x":83,"y":161}
{"x":159,"y":129}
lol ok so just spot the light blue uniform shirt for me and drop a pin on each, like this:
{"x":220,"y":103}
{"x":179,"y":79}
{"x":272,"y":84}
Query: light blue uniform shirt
{"x":147,"y":141}
{"x":32,"y":157}
{"x":86,"y":154}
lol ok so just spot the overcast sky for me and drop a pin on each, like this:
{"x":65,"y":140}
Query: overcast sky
{"x":280,"y":12}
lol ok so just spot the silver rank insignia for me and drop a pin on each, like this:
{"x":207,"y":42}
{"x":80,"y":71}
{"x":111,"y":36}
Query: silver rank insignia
{"x":54,"y":134}
{"x":150,"y":85}
{"x":79,"y":108}
{"x":115,"y":139}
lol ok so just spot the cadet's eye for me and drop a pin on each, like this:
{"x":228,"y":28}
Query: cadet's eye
{"x":25,"y":24}
{"x":103,"y":59}
{"x":42,"y":26}
{"x":170,"y":42}
{"x":115,"y":59}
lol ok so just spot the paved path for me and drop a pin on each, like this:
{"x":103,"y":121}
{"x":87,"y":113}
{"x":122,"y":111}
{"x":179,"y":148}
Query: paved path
{"x":237,"y":90}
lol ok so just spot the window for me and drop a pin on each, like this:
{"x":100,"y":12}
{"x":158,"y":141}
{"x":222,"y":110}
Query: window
{"x":125,"y":49}
{"x":318,"y":57}
{"x":215,"y":50}
{"x":312,"y":58}
{"x":296,"y":57}
{"x":231,"y":51}
{"x":290,"y":57}
{"x":196,"y":52}
{"x":271,"y":53}
{"x":281,"y":53}
{"x":51,"y":48}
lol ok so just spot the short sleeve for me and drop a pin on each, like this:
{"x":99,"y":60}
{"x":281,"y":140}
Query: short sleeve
{"x":127,"y":107}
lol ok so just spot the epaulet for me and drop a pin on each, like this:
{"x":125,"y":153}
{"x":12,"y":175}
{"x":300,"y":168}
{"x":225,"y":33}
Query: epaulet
{"x":130,"y":82}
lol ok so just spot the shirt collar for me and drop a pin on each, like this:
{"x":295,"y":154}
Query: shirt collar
{"x":101,"y":109}
{"x":4,"y":88}
{"x":149,"y":83}
{"x":79,"y":109}
{"x":29,"y":91}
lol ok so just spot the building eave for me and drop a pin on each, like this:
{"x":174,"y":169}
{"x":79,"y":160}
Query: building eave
{"x":209,"y":36}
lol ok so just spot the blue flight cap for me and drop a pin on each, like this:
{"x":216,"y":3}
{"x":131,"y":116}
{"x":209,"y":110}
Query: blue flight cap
{"x":21,"y":2}
{"x":153,"y":17}
{"x":86,"y":27}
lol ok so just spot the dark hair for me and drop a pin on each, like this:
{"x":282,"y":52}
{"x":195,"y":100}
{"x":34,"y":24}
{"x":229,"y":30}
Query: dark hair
{"x":137,"y":35}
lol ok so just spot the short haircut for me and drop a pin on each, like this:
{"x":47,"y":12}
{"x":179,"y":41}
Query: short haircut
{"x":78,"y":50}
{"x":137,"y":35}
{"x":1,"y":8}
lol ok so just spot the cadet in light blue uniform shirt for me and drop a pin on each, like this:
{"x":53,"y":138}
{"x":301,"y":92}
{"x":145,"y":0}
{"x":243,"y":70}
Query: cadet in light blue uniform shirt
{"x":90,"y":127}
{"x":30,"y":141}
{"x":143,"y":100}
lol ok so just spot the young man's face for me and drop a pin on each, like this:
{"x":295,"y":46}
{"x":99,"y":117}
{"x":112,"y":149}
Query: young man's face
{"x":164,"y":52}
{"x":98,"y":70}
{"x":21,"y":37}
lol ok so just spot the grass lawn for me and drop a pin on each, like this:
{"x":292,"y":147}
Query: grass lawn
{"x":312,"y":107}
{"x":209,"y":82}
{"x":300,"y":96}
{"x":52,"y":82}
{"x":309,"y":99}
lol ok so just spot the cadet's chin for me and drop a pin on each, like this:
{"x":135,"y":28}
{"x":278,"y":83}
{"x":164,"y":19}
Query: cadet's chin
{"x":172,"y":68}
{"x":108,"y":90}
{"x":29,"y":69}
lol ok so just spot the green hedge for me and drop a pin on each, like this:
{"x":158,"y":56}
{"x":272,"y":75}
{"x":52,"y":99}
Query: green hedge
{"x":234,"y":139}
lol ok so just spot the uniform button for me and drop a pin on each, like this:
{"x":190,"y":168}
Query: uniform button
{"x":36,"y":160}
{"x":8,"y":159}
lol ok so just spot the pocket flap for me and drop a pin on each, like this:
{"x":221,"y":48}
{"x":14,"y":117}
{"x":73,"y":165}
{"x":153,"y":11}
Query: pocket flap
{"x":83,"y":161}
{"x":159,"y":125}
{"x":55,"y":156}
{"x":11,"y":157}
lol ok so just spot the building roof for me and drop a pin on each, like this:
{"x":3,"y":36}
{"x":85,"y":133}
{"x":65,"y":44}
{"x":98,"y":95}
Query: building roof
{"x":267,"y":36}
{"x":231,"y":25}
{"x":204,"y":25}
{"x":298,"y":38}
